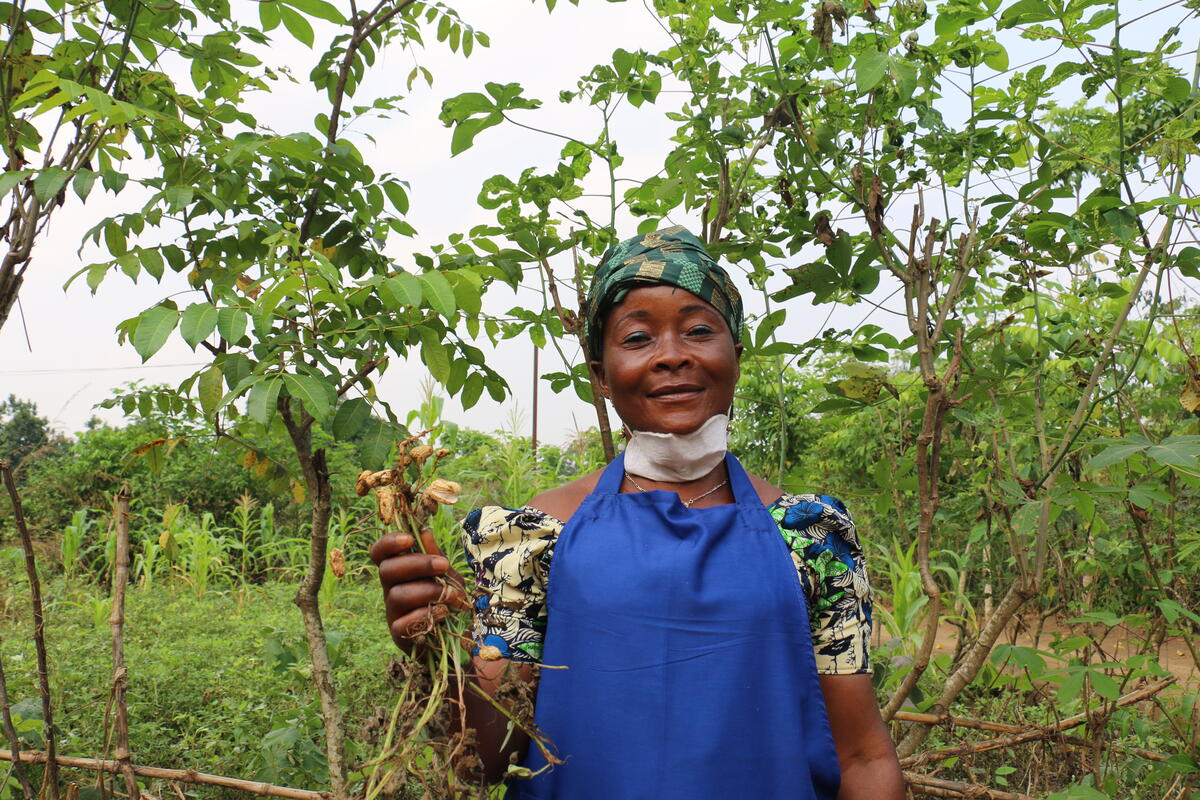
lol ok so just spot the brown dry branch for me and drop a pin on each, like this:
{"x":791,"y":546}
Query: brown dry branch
{"x":939,"y":787}
{"x":1005,"y":727}
{"x":1032,"y":734}
{"x":162,"y":773}
{"x":116,"y":619}
{"x":11,"y":732}
{"x":50,"y":781}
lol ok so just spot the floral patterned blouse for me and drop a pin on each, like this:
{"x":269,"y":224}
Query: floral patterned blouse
{"x":510,"y":551}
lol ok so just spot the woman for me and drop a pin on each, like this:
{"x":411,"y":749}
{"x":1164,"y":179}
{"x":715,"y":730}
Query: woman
{"x":671,"y":590}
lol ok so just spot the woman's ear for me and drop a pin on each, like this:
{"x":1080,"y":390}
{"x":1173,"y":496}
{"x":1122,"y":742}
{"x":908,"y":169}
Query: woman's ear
{"x":597,"y":368}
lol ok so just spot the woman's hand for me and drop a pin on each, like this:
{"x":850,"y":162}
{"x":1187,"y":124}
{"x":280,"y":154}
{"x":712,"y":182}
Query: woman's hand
{"x":419,"y":589}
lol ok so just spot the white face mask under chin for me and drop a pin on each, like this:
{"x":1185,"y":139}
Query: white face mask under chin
{"x":678,"y":457}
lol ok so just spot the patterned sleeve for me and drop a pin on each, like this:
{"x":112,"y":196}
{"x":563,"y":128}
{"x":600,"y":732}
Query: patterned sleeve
{"x":825,"y":548}
{"x":509,"y":551}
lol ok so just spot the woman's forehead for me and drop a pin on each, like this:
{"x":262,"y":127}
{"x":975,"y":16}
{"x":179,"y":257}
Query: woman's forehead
{"x":664,"y":294}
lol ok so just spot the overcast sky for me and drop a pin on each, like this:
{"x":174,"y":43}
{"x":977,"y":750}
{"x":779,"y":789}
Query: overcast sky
{"x":60,"y":350}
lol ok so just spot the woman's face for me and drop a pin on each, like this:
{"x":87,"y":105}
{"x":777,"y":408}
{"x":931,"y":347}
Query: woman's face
{"x":669,"y":361}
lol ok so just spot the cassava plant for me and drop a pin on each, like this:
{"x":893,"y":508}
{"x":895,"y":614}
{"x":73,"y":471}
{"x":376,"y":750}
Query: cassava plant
{"x":1020,"y":223}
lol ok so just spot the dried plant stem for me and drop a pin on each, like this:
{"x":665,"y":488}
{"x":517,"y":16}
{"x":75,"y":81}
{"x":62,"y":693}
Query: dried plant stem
{"x":116,"y":619}
{"x":162,"y":773}
{"x":1005,"y":727}
{"x":1035,"y":734}
{"x":39,"y":630}
{"x":938,"y":787}
{"x":11,"y":732}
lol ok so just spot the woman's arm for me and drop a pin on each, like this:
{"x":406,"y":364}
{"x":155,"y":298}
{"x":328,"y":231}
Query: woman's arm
{"x":419,"y":589}
{"x":865,"y":751}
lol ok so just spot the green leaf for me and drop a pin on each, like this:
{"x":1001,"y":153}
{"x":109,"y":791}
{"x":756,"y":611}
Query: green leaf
{"x":315,"y":394}
{"x":397,"y":195}
{"x":466,"y":131}
{"x":261,"y":404}
{"x":434,"y":354}
{"x":768,"y":326}
{"x":297,"y":25}
{"x":438,"y":293}
{"x":231,"y":324}
{"x":114,"y":181}
{"x":320,"y":10}
{"x":1117,"y":453}
{"x":1173,"y":610}
{"x":995,"y":56}
{"x":1069,"y":689}
{"x":1105,"y":686}
{"x":82,"y":184}
{"x":376,"y":444}
{"x":268,"y":14}
{"x":869,"y":69}
{"x":403,"y":290}
{"x":153,"y":328}
{"x":152,"y":262}
{"x":1025,"y":521}
{"x":10,"y":180}
{"x":209,"y":389}
{"x":197,"y":323}
{"x":472,"y":389}
{"x":1144,"y":495}
{"x":1176,"y":451}
{"x":1188,"y":261}
{"x":178,"y":197}
{"x":47,"y":185}
{"x":1025,"y":12}
{"x":350,"y":418}
{"x":237,"y":368}
{"x":114,"y":240}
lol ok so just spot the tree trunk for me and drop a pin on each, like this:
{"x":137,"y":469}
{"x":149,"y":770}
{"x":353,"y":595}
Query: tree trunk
{"x":316,"y":479}
{"x":120,"y":679}
{"x":10,"y":286}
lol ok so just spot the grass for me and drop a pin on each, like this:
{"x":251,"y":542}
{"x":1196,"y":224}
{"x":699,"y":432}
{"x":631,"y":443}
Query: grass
{"x":217,"y":683}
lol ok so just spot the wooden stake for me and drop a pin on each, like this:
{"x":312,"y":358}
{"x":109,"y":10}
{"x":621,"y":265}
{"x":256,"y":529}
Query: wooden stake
{"x":120,"y":680}
{"x":39,"y":629}
{"x":938,"y":787}
{"x":162,"y":773}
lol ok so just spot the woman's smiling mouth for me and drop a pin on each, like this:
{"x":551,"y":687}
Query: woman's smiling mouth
{"x":677,"y":392}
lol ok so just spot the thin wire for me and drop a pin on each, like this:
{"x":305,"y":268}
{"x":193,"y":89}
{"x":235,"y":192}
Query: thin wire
{"x":97,"y":369}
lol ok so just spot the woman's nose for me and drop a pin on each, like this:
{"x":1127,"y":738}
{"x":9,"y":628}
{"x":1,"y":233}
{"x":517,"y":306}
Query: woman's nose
{"x":672,"y":353}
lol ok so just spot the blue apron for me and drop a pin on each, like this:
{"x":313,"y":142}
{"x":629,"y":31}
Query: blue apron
{"x":689,"y":669}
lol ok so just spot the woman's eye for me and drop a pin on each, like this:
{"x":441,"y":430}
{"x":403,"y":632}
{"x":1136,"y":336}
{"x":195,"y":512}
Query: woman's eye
{"x":700,"y":330}
{"x":635,"y":338}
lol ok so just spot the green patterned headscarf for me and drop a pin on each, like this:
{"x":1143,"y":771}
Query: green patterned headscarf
{"x":672,"y":256}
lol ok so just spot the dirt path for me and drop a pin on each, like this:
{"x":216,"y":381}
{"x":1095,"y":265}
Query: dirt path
{"x":1117,"y":645}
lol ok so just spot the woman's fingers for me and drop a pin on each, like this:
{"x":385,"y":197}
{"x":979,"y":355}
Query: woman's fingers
{"x":415,"y":623}
{"x":390,"y":544}
{"x":419,"y":588}
{"x":394,"y":544}
{"x":411,"y":567}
